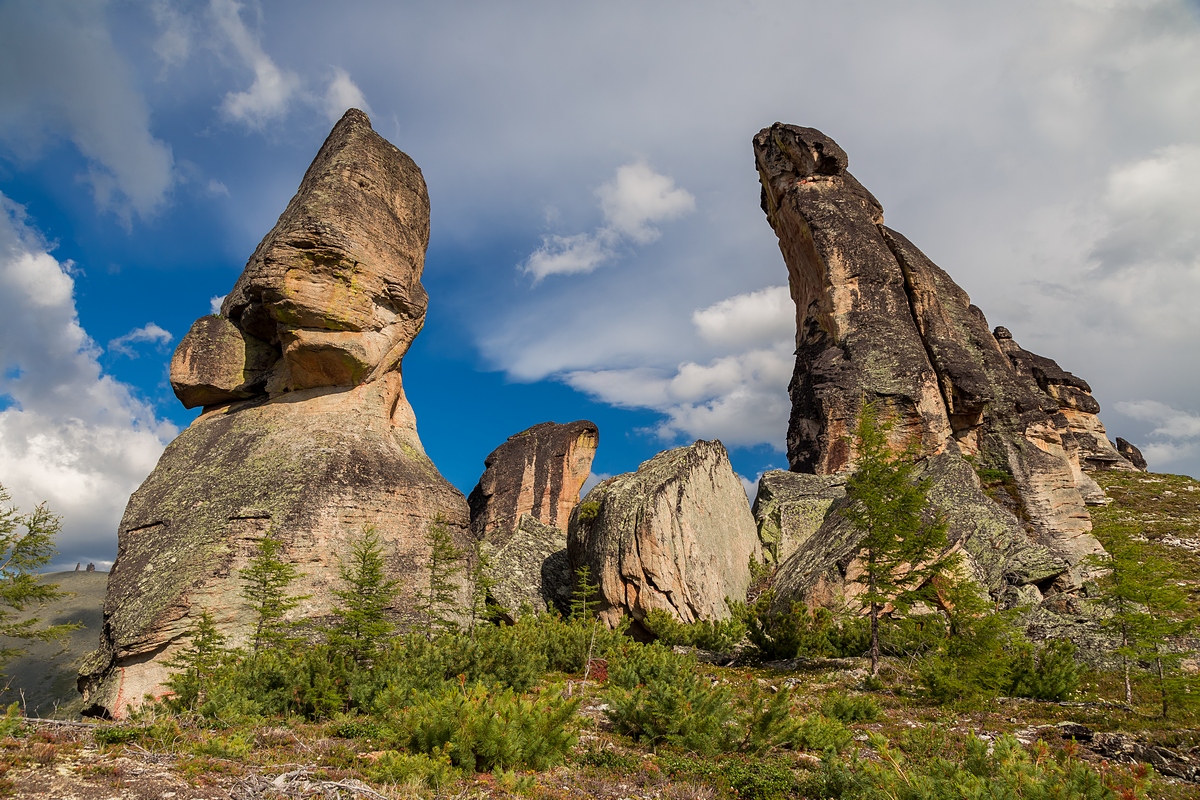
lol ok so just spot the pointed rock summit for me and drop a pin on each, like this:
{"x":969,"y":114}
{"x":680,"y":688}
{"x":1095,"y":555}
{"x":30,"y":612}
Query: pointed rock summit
{"x":878,"y":322}
{"x":305,"y":434}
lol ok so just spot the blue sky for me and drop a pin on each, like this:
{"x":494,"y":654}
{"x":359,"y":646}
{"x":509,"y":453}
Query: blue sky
{"x":597,"y":248}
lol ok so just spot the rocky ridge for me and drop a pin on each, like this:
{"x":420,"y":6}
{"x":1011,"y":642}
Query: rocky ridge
{"x":878,"y":322}
{"x":305,"y":434}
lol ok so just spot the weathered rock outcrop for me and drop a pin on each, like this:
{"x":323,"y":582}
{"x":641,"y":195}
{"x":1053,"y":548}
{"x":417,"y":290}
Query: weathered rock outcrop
{"x":306,"y":434}
{"x":878,"y":322}
{"x":791,"y":507}
{"x":531,"y":569}
{"x":539,"y":472}
{"x":1132,"y":454}
{"x":676,"y":535}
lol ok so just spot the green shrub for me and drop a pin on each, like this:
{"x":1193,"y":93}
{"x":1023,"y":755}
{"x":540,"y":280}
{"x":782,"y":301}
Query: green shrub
{"x":407,"y":769}
{"x":821,"y":734}
{"x":758,"y":779}
{"x":1047,"y":673}
{"x":116,"y":734}
{"x":658,"y":697}
{"x":1000,"y":770}
{"x":357,"y":728}
{"x":589,"y":510}
{"x":791,"y":633}
{"x":479,"y":730}
{"x":719,"y":635}
{"x":849,"y":708}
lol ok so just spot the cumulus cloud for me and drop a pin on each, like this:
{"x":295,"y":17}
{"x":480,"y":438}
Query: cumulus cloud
{"x":740,"y":399}
{"x":148,"y":333}
{"x":637,"y":198}
{"x":214,"y":304}
{"x":61,"y":75}
{"x":174,"y":42}
{"x":768,"y":315}
{"x":566,"y":255}
{"x":69,"y":434}
{"x":632,"y":202}
{"x":342,"y":94}
{"x":273,"y":88}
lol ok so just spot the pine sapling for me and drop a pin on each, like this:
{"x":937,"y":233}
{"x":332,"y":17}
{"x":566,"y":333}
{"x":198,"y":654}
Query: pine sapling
{"x":364,"y":597}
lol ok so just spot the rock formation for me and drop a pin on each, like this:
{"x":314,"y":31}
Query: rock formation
{"x":791,"y":507}
{"x":531,"y":569}
{"x":676,"y":535}
{"x":1132,"y":454}
{"x":539,"y":472}
{"x":305,"y":434}
{"x":877,"y":321}
{"x":520,"y":508}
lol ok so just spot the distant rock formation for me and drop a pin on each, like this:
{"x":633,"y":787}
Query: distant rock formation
{"x":520,"y":508}
{"x":676,"y":535}
{"x":1132,"y":454}
{"x":878,"y":322}
{"x":305,"y":435}
{"x":539,"y":472}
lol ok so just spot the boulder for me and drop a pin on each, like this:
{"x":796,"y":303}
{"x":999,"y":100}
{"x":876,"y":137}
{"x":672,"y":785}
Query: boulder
{"x":306,"y":434}
{"x":531,"y":570}
{"x":539,"y":472}
{"x":878,"y":322}
{"x":791,"y":507}
{"x":1132,"y":454}
{"x":676,"y":535}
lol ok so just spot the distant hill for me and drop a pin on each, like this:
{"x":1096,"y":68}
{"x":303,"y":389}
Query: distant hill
{"x":46,"y":673}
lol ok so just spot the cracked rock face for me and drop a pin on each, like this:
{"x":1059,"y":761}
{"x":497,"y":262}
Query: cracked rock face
{"x":877,"y":321}
{"x":306,"y":434}
{"x":676,"y":535}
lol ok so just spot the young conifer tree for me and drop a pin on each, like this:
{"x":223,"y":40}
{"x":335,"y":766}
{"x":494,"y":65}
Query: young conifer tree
{"x":365,"y":596}
{"x":196,"y":662}
{"x":26,"y":544}
{"x":266,"y":579}
{"x":1149,"y":609}
{"x":439,"y":604}
{"x":901,"y":540}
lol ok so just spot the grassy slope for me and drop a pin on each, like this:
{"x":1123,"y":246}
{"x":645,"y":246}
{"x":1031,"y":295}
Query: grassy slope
{"x":46,"y":673}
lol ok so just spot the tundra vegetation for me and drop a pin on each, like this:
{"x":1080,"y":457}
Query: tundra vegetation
{"x":773,"y":702}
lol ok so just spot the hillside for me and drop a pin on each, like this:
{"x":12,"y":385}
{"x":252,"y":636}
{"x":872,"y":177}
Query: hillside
{"x":43,"y":680}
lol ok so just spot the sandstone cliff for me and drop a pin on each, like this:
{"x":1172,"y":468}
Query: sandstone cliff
{"x":877,"y":321}
{"x":676,"y":535}
{"x":305,"y":435}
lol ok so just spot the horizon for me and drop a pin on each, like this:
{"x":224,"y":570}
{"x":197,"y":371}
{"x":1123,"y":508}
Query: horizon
{"x":597,"y":249}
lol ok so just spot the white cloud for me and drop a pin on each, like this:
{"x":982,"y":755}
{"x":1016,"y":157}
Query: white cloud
{"x":637,"y":197}
{"x":61,"y":75}
{"x":740,"y":399}
{"x":214,"y":304}
{"x":69,"y":435}
{"x":146,"y":334}
{"x":174,"y":42}
{"x":566,"y":255}
{"x":273,"y":88}
{"x":343,"y":93}
{"x":1170,"y":422}
{"x":768,"y":315}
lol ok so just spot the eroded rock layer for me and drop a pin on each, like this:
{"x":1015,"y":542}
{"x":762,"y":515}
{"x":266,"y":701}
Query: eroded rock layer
{"x":539,"y":472}
{"x":878,"y":322}
{"x":306,"y":434}
{"x":676,"y":535}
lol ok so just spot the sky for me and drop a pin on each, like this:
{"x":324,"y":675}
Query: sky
{"x":597,"y":248}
